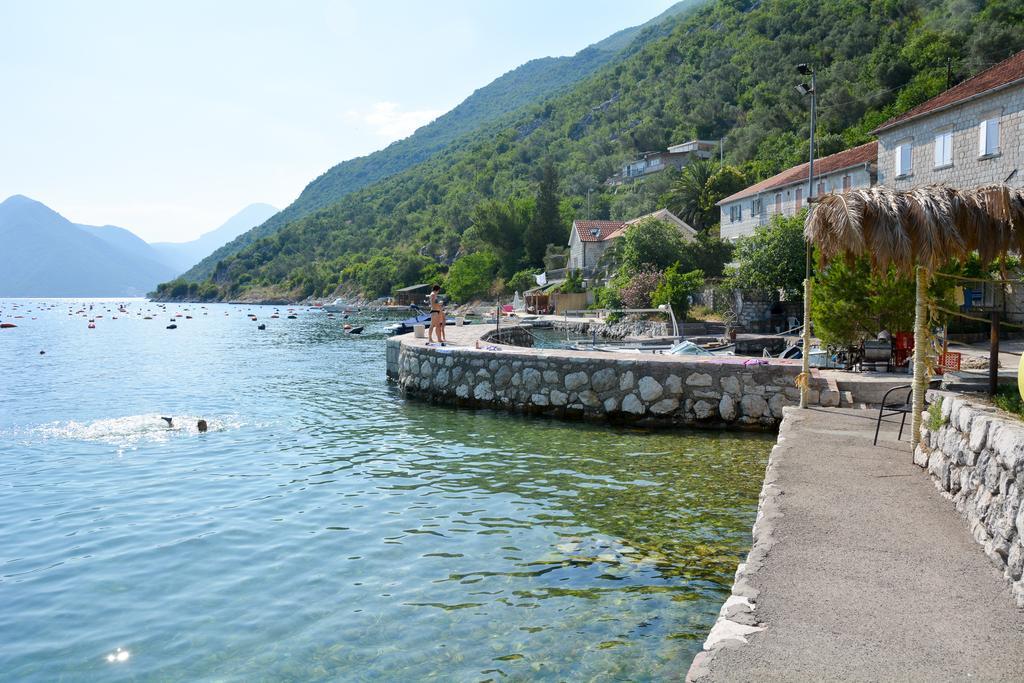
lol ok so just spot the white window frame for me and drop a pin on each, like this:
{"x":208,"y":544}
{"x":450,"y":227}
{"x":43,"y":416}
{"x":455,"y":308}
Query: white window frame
{"x":904,"y":160}
{"x":988,"y":137}
{"x":944,"y":148}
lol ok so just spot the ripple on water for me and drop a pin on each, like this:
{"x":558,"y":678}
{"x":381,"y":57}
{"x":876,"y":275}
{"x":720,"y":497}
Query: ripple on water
{"x":326,"y":529}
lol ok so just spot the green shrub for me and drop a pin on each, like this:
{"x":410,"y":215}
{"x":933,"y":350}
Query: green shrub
{"x":935,"y":420}
{"x":1008,"y":398}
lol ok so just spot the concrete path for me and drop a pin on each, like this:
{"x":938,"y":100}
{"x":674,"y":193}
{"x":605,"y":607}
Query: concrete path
{"x":873,"y":575}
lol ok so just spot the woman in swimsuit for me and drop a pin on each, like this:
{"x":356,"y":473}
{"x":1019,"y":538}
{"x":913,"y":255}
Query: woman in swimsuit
{"x":436,"y":315}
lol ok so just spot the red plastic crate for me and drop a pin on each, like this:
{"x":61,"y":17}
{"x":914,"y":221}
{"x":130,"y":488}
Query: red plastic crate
{"x":948,"y":361}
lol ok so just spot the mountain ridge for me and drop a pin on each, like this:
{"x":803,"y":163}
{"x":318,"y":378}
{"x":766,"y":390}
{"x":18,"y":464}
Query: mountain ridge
{"x":527,"y":84}
{"x":183,"y":255}
{"x":45,"y":254}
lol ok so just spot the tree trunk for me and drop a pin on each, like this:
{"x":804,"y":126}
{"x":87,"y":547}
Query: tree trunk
{"x":920,"y":342}
{"x":805,"y":366}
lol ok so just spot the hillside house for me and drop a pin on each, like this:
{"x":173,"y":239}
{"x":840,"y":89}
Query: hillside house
{"x":588,"y":240}
{"x":785,"y":193}
{"x":969,"y":135}
{"x":676,"y":156}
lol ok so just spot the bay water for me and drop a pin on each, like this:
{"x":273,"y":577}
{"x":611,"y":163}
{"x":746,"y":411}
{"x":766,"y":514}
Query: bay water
{"x":326,"y":528}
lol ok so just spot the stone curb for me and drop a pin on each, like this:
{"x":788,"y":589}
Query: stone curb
{"x":737,"y":618}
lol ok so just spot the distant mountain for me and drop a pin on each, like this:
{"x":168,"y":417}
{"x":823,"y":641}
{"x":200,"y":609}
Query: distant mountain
{"x":183,"y":255}
{"x":44,"y":254}
{"x":127,"y":242}
{"x":530,"y":83}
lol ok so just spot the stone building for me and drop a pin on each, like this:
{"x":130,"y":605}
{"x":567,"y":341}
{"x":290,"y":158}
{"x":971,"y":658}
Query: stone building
{"x":785,"y":193}
{"x":588,"y":240}
{"x":966,"y":136}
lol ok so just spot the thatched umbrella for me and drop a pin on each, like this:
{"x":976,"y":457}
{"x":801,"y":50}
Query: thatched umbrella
{"x":918,"y":231}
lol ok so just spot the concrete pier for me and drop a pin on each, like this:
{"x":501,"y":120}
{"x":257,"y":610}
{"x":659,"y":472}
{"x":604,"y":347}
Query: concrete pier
{"x":860,"y":570}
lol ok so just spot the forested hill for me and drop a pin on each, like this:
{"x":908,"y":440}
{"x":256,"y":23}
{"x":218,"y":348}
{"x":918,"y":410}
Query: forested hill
{"x":726,"y":70}
{"x":529,"y":83}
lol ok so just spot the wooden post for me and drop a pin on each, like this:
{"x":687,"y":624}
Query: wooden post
{"x":920,"y":366}
{"x":805,"y":363}
{"x":993,"y":355}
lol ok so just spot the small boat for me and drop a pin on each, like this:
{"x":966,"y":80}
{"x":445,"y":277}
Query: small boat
{"x":407,"y":325}
{"x":261,"y":326}
{"x":7,"y":326}
{"x":92,"y":326}
{"x":340,"y":306}
{"x":355,"y":330}
{"x":292,"y":317}
{"x":172,"y":326}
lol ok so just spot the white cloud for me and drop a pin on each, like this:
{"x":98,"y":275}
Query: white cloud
{"x":387,"y":121}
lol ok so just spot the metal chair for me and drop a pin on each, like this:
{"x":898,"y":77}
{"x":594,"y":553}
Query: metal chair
{"x":903,"y":408}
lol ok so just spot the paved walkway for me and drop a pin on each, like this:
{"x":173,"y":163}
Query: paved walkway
{"x":872,"y":575}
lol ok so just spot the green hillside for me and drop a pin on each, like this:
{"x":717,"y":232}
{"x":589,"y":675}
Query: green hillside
{"x":529,"y":83}
{"x":726,"y":70}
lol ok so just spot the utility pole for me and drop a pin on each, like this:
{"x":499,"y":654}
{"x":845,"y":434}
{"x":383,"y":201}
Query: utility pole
{"x":806,"y":355}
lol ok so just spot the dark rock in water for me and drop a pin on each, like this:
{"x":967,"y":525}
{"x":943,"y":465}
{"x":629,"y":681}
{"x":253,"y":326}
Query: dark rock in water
{"x":261,"y":326}
{"x":42,"y":353}
{"x":172,"y":326}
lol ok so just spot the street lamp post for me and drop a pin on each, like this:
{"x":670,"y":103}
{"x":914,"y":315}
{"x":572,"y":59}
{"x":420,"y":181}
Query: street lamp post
{"x":805,"y":369}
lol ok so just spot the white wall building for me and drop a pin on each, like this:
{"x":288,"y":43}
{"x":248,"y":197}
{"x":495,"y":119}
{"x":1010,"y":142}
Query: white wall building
{"x":786,"y":193}
{"x":967,"y":136}
{"x":588,"y":240}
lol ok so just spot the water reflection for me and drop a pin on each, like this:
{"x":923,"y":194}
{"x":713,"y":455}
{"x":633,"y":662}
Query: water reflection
{"x":339,"y":532}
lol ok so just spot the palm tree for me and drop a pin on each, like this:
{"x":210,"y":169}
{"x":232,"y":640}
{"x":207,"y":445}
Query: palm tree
{"x":918,"y":231}
{"x":689,"y":196}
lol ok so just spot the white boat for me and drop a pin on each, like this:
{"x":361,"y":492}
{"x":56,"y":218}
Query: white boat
{"x":340,"y":306}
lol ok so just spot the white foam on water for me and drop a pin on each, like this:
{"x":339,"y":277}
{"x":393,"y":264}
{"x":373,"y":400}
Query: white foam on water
{"x":132,"y":430}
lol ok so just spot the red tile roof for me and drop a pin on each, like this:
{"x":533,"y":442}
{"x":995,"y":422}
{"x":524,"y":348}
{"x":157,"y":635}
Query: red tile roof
{"x":1002,"y":74}
{"x":603,"y":228}
{"x":856,"y":156}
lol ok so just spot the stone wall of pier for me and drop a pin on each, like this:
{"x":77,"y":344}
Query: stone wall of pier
{"x":975,"y":455}
{"x":655,"y":390}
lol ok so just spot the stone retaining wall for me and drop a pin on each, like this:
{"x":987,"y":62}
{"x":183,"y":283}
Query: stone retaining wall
{"x":649,"y":389}
{"x":975,"y":456}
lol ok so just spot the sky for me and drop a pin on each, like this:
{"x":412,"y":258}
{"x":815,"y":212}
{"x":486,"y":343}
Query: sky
{"x":168,"y":117}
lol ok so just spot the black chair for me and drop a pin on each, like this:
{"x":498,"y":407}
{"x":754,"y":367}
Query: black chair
{"x":903,"y":408}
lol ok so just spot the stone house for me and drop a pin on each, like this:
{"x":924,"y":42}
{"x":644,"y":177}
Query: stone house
{"x":676,"y":156}
{"x":588,"y":240}
{"x":967,"y":136}
{"x":785,"y":193}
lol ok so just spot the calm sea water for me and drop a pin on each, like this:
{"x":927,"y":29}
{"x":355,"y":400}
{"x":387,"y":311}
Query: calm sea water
{"x":325,"y":528}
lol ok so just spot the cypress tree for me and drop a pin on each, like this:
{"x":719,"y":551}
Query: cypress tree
{"x":546,"y":227}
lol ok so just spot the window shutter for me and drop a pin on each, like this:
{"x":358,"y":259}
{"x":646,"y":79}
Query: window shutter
{"x":992,"y":137}
{"x":982,"y":138}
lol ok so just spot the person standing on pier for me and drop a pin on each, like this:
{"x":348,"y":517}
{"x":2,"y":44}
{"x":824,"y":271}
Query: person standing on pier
{"x":436,"y":315}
